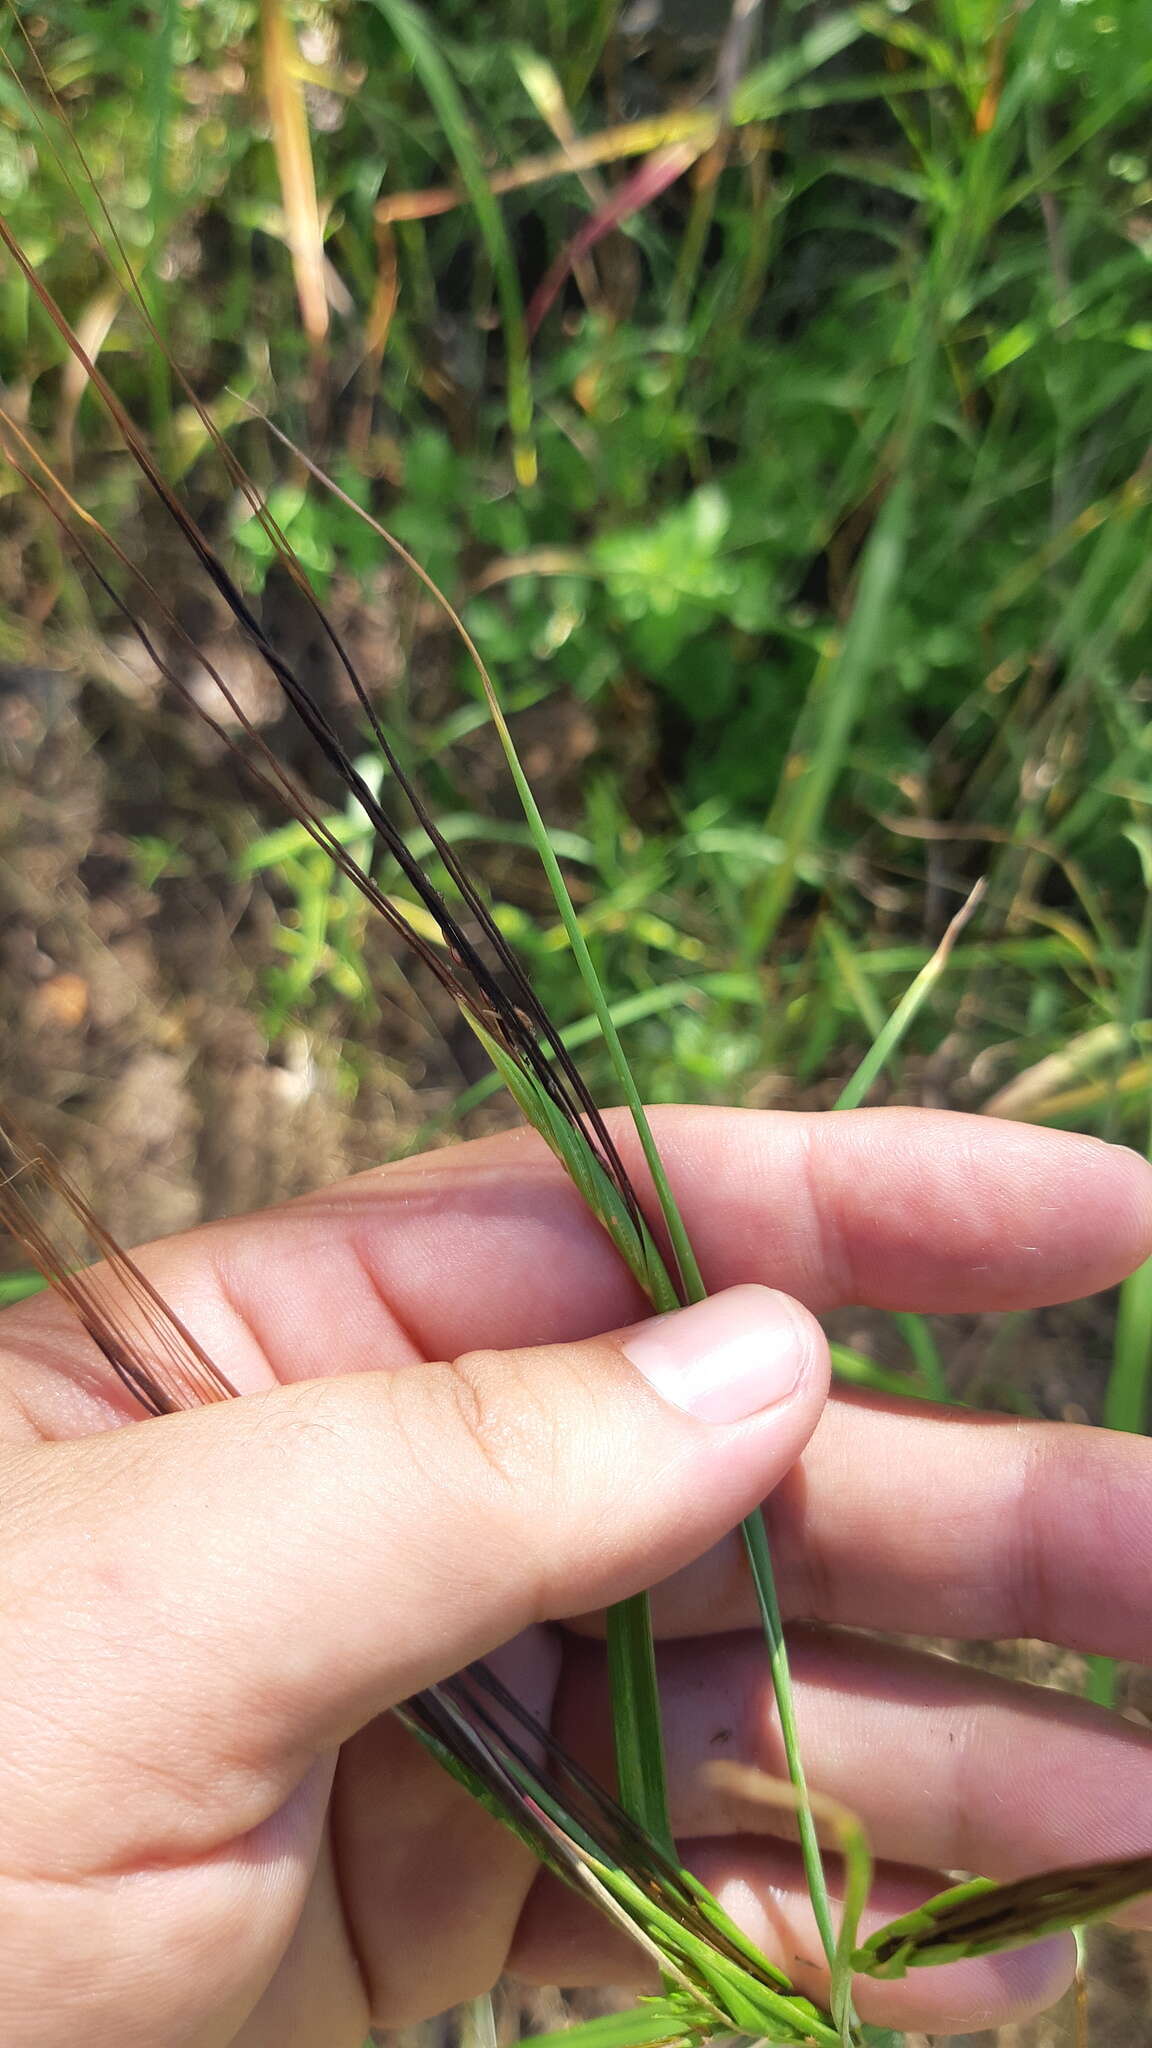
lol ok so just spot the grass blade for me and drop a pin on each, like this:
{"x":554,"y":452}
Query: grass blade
{"x":835,"y":709}
{"x":658,"y":2019}
{"x":1126,"y":1402}
{"x":19,"y":1287}
{"x":410,"y":26}
{"x":767,"y":1599}
{"x":636,"y":1723}
{"x":888,"y":1039}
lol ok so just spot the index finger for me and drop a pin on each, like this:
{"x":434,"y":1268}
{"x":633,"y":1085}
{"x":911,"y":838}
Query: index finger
{"x":488,"y":1244}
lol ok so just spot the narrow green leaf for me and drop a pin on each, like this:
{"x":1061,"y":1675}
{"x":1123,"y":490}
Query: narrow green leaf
{"x":18,"y":1286}
{"x":835,"y":704}
{"x":636,"y":1722}
{"x":759,"y":94}
{"x":926,"y":1352}
{"x":655,"y":2020}
{"x":1126,"y":1400}
{"x":858,"y":1371}
{"x":411,"y":28}
{"x":764,"y":1579}
{"x":911,"y":1002}
{"x":1126,"y":1406}
{"x":673,"y":1221}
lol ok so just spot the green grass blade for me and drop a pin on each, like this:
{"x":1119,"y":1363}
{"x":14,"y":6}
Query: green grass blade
{"x":683,"y":1253}
{"x":656,"y":2020}
{"x":1126,"y":1403}
{"x":853,"y":979}
{"x":759,"y":94}
{"x":411,"y":28}
{"x":1126,"y":1400}
{"x":18,"y":1287}
{"x":907,"y":1009}
{"x":926,"y":1352}
{"x":636,"y":1724}
{"x":640,"y":1703}
{"x":798,"y":817}
{"x":857,"y":1884}
{"x":858,"y":1371}
{"x":764,"y":1579}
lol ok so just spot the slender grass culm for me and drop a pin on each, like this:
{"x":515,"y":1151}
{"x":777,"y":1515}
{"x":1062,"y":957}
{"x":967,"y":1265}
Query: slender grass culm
{"x":617,"y":1851}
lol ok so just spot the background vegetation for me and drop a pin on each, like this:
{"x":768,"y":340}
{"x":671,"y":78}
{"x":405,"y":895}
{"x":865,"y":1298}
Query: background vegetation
{"x":772,"y":391}
{"x":822,"y":483}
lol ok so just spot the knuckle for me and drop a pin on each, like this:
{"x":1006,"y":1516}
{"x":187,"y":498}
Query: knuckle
{"x":505,"y":1419}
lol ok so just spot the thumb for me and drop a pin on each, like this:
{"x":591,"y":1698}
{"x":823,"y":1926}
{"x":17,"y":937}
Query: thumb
{"x":258,"y":1579}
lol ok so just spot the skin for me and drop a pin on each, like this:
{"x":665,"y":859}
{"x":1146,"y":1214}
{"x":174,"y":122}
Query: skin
{"x":213,"y":1834}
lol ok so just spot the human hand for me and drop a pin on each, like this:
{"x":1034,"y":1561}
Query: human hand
{"x":216,"y":1837}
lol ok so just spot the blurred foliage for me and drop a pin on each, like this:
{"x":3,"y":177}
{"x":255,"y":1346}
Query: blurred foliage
{"x":841,"y":520}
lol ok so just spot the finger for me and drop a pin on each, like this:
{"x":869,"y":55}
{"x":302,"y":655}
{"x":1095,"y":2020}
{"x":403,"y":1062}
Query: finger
{"x":417,"y":1853}
{"x":946,"y":1766}
{"x":932,"y":1522}
{"x":892,"y":1207}
{"x":561,"y":1940}
{"x":219,"y":1596}
{"x":489,"y":1243}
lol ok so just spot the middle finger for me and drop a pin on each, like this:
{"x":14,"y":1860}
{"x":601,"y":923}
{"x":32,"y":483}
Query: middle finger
{"x":947,"y":1767}
{"x":942,"y":1523}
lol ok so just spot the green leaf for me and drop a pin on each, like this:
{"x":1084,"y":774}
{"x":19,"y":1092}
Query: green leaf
{"x":655,"y":2020}
{"x":891,"y":1034}
{"x":18,"y":1286}
{"x":759,"y":94}
{"x":410,"y":25}
{"x":639,"y":1735}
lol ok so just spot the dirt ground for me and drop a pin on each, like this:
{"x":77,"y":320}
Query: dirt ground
{"x":131,"y":1041}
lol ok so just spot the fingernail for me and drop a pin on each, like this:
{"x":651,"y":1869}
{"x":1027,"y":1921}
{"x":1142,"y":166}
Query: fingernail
{"x":725,"y":1358}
